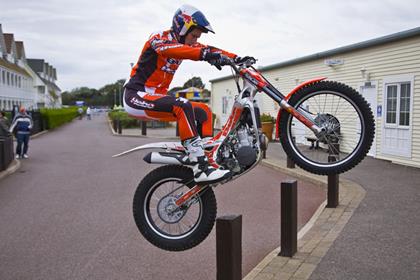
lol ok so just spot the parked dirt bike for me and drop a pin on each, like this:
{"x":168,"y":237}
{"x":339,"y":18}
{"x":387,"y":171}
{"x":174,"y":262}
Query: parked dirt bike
{"x":174,"y":213}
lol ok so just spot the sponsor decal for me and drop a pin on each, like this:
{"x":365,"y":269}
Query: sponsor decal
{"x":142,"y":103}
{"x":163,"y":48}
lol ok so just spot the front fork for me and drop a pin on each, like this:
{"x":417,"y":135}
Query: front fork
{"x":303,"y":117}
{"x":299,"y":114}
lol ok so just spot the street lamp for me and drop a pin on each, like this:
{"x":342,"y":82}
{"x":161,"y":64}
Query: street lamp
{"x":115,"y":98}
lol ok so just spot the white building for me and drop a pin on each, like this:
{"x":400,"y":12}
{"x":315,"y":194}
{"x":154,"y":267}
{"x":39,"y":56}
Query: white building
{"x":15,"y":82}
{"x":48,"y":93}
{"x":385,"y":70}
{"x":24,"y":84}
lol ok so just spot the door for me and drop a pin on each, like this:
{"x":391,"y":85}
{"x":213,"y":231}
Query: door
{"x":370,"y":93}
{"x":397,"y":128}
{"x":227,"y":103}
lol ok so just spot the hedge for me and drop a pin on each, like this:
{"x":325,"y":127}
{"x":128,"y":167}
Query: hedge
{"x":126,"y":121}
{"x":56,"y":117}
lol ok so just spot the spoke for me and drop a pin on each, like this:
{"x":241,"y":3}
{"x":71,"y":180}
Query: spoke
{"x":325,"y":102}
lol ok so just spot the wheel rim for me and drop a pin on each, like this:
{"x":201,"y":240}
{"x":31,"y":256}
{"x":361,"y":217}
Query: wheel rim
{"x":159,"y":210}
{"x":331,"y":110}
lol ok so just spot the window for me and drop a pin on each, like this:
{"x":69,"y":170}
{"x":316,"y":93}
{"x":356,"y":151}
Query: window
{"x":391,"y":104}
{"x":405,"y":105}
{"x":8,"y":78}
{"x":398,"y":102}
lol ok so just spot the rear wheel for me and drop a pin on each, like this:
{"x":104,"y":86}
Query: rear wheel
{"x":164,"y":224}
{"x":346,"y":119}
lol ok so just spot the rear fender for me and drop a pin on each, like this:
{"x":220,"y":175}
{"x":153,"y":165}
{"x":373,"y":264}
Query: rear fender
{"x":171,"y":146}
{"x":296,"y":89}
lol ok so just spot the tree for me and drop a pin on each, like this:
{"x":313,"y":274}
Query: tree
{"x":194,"y":82}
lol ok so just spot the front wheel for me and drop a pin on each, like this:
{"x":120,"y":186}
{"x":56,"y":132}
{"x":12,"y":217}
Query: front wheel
{"x":164,"y":224}
{"x":347,"y":122}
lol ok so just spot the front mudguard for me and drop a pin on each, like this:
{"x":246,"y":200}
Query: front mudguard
{"x":296,"y":89}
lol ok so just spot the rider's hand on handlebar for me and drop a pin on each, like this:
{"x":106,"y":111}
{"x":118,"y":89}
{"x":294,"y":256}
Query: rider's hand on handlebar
{"x":216,"y":59}
{"x":246,"y":59}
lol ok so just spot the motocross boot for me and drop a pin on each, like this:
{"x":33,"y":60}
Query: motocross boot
{"x":203,"y":172}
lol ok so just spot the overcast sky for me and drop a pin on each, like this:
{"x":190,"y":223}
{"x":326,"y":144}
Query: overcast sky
{"x":92,"y":42}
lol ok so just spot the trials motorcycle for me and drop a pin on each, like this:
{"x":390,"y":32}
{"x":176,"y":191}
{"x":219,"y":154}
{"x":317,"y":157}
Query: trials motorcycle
{"x":174,"y":213}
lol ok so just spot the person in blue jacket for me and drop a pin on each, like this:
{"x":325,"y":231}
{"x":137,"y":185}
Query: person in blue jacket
{"x":23,"y":124}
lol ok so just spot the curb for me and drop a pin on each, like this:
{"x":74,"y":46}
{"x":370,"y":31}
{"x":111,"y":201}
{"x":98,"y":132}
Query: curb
{"x":316,"y":237}
{"x":13,"y":167}
{"x":16,"y":164}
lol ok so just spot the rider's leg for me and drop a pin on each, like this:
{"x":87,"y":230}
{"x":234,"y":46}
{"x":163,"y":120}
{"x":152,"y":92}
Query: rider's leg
{"x":165,"y":107}
{"x":204,"y":118}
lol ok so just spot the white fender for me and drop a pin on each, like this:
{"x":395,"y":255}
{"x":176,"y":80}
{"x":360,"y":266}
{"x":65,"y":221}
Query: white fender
{"x":159,"y":145}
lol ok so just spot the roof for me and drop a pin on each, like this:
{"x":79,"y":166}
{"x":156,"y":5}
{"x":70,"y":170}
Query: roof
{"x":36,"y":64}
{"x":354,"y":47}
{"x":50,"y":84}
{"x":13,"y":67}
{"x":191,"y":89}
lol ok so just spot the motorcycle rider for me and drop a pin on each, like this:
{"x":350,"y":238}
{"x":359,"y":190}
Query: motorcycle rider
{"x":145,"y":94}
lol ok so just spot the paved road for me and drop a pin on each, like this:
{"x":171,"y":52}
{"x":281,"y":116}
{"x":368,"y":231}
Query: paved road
{"x":66,"y":214}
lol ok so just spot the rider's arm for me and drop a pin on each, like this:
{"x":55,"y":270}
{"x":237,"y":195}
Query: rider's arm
{"x":214,"y":50}
{"x":175,"y":50}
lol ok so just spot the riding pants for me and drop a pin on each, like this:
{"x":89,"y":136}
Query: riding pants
{"x":162,"y":107}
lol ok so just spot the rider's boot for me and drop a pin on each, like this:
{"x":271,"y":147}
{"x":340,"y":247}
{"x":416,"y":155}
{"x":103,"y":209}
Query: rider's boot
{"x":203,"y":172}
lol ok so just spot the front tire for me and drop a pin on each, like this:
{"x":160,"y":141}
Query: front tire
{"x":341,"y":111}
{"x":162,"y":226}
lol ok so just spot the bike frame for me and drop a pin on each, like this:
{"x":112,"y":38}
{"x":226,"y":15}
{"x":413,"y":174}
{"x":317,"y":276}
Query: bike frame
{"x":253,"y":83}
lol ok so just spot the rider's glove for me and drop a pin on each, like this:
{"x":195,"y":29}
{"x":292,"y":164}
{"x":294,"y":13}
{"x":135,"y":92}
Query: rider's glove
{"x":215,"y":59}
{"x":240,"y":60}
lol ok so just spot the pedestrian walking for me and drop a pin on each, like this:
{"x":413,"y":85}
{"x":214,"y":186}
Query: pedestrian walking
{"x":80,"y":112}
{"x":23,"y":124}
{"x":88,"y":113}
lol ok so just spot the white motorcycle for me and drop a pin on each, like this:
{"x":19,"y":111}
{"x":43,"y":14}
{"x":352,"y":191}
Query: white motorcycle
{"x":174,"y":213}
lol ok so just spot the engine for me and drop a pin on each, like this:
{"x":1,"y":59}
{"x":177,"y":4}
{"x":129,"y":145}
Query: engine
{"x":240,"y":150}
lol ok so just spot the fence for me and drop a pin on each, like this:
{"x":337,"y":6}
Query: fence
{"x":6,"y":151}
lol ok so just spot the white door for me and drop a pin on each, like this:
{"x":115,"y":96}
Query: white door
{"x":227,"y":103}
{"x":369,"y":92}
{"x":397,"y":117}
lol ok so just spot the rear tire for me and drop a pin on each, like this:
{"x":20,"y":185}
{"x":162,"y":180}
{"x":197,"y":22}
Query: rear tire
{"x":168,"y":230}
{"x":335,"y":104}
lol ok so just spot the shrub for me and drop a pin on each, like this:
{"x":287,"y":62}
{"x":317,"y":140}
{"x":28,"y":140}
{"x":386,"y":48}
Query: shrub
{"x":126,"y":121}
{"x":267,"y":118}
{"x":56,"y":117}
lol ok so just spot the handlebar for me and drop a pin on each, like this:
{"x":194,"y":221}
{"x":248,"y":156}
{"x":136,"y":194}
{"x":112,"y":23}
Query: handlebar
{"x":237,"y":65}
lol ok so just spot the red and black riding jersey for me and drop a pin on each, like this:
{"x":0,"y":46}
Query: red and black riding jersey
{"x":160,"y":58}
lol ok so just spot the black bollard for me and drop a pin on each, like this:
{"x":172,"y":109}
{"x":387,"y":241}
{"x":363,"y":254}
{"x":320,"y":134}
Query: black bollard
{"x":290,"y":163}
{"x":119,"y":126}
{"x":114,"y":125}
{"x":229,"y":247}
{"x":143,"y":128}
{"x":288,"y":221}
{"x":333,"y":179}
